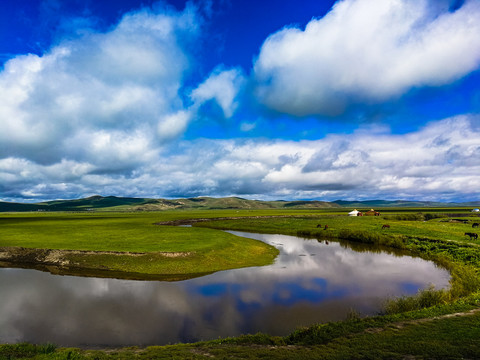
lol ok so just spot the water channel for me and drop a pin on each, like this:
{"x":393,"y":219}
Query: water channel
{"x":309,"y":282}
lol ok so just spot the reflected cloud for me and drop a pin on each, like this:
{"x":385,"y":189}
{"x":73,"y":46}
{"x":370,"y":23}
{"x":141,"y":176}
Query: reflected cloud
{"x":294,"y":291}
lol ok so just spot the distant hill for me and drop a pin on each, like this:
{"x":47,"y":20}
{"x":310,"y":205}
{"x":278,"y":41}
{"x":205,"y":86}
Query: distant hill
{"x":141,"y":204}
{"x":228,"y":203}
{"x":400,"y":203}
{"x":208,"y":203}
{"x":90,"y":203}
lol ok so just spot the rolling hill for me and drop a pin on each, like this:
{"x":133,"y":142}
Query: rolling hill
{"x":111,"y":203}
{"x":141,"y":204}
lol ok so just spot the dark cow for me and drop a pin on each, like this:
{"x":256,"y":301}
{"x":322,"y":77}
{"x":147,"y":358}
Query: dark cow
{"x":319,"y":226}
{"x":386,"y":226}
{"x":472,"y":235}
{"x":475,"y":225}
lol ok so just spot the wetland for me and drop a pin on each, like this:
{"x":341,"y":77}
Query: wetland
{"x":290,"y":291}
{"x":309,"y":282}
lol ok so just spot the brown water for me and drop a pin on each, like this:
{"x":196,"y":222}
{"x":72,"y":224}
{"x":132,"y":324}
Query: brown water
{"x":310,"y":282}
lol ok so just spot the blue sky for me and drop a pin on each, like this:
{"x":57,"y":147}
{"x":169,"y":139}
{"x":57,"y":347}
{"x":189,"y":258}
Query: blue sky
{"x":351,"y":99}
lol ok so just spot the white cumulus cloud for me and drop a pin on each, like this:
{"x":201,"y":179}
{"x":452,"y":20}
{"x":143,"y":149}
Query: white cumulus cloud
{"x":222,"y":86}
{"x":366,"y":51}
{"x":440,"y":161}
{"x":117,"y":87}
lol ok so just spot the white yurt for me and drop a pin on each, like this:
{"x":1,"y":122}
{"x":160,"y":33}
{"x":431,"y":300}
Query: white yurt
{"x":353,"y":213}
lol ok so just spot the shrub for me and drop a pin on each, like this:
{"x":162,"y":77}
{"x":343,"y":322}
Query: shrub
{"x":365,"y":237}
{"x":304,"y":233}
{"x":423,"y":299}
{"x":24,"y":350}
{"x":464,"y":281}
{"x":406,"y":217}
{"x":429,"y":216}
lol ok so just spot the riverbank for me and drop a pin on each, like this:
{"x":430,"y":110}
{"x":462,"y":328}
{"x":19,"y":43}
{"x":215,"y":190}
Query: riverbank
{"x":123,"y":245}
{"x":79,"y":262}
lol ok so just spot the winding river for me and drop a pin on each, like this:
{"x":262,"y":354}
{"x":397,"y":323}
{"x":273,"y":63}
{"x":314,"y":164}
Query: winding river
{"x":309,"y":282}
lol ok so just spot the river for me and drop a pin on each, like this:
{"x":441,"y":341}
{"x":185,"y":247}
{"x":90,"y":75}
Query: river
{"x":309,"y":282}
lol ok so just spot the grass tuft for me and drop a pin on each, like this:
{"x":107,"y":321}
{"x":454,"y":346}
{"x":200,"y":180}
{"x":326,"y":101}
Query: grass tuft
{"x":25,"y":350}
{"x":425,"y":298}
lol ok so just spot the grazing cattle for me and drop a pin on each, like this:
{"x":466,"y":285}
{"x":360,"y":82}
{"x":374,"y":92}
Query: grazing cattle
{"x":474,"y":225}
{"x":472,"y":235}
{"x":386,"y":226}
{"x":376,"y":213}
{"x":319,"y":226}
{"x":326,"y":227}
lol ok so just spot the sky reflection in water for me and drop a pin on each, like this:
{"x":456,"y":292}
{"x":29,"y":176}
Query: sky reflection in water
{"x":310,"y":282}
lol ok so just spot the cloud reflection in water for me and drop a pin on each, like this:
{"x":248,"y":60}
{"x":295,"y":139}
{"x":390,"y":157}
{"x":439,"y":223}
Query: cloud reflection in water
{"x":309,"y":282}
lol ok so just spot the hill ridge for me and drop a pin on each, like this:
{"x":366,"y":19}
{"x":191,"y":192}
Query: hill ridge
{"x":98,"y":202}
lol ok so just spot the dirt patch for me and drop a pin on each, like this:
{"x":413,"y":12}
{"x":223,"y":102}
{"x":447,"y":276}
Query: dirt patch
{"x":59,"y":262}
{"x":60,"y":257}
{"x":401,"y":324}
{"x":196,"y":351}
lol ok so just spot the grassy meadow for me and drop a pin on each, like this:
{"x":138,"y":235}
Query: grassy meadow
{"x":160,"y":250}
{"x":433,"y":324}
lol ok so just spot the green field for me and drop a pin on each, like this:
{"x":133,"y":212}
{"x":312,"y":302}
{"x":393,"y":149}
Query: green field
{"x":421,"y":326}
{"x":194,"y":251}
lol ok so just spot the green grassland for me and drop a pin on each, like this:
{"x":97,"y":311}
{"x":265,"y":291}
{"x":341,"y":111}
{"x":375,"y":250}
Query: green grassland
{"x":439,"y":226}
{"x":195,"y":250}
{"x":431,"y":325}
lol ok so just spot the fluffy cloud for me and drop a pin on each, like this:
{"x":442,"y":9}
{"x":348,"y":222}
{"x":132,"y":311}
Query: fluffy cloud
{"x":223,"y":87}
{"x":366,"y":51}
{"x":104,"y":102}
{"x":101,"y":95}
{"x":439,"y":161}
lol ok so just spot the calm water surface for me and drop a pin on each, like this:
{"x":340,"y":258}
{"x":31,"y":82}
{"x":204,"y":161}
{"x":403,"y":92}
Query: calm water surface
{"x":310,"y":282}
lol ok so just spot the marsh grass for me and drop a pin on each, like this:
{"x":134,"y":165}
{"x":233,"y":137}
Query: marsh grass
{"x":425,"y":298}
{"x":25,"y":350}
{"x":465,"y":281}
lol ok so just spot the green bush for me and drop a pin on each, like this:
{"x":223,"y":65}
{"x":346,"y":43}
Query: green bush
{"x":25,"y":350}
{"x":366,"y":237}
{"x":429,"y":216}
{"x":464,"y":281}
{"x":406,"y":217}
{"x":423,"y":299}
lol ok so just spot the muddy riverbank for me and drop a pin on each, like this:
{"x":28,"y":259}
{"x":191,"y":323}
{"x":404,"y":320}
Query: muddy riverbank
{"x":76,"y":262}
